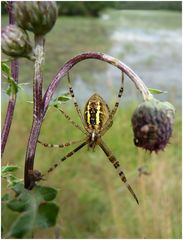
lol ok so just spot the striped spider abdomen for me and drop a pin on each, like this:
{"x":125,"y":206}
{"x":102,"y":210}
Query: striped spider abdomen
{"x":96,"y":112}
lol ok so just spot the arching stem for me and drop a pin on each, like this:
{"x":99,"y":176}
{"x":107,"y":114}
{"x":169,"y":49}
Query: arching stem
{"x":99,"y":56}
{"x":36,"y":126}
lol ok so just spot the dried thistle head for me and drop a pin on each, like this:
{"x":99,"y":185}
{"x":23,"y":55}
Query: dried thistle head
{"x":152,"y":124}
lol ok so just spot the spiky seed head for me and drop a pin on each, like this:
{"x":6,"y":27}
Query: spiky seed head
{"x":36,"y":16}
{"x":15,"y":42}
{"x":152,"y":124}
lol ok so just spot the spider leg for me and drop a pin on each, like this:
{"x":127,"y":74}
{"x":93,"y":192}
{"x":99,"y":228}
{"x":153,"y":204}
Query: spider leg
{"x":67,"y":156}
{"x":108,"y":124}
{"x":119,"y":96}
{"x":75,"y":102}
{"x":60,"y":145}
{"x":71,"y":121}
{"x":116,"y":164}
{"x":37,"y":176}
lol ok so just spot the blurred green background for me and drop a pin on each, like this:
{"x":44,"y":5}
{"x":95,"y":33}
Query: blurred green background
{"x":93,"y":201}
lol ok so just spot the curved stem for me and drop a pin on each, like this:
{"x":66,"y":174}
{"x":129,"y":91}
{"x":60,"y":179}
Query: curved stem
{"x":29,"y":160}
{"x":99,"y":56}
{"x":12,"y":97}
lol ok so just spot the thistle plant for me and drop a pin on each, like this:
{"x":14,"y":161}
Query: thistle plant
{"x":15,"y":42}
{"x":12,"y":95}
{"x":152,"y":120}
{"x":34,"y":208}
{"x":37,"y":17}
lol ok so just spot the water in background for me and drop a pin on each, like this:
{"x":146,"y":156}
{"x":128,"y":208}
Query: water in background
{"x":149,"y":42}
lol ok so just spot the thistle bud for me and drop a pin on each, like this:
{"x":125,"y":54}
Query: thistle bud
{"x":36,"y":16}
{"x":152,"y":124}
{"x":15,"y":42}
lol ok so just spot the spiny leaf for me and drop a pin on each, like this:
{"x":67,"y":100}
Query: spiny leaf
{"x":17,"y":205}
{"x":22,"y":225}
{"x":47,"y":193}
{"x":35,"y":211}
{"x":61,"y":99}
{"x":29,"y":221}
{"x":13,"y":87}
{"x":47,"y":215}
{"x":156,"y":91}
{"x":12,"y":180}
{"x":7,"y":172}
{"x":5,"y":68}
{"x":9,"y":168}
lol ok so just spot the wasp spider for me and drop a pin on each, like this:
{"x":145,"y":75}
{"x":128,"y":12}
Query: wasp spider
{"x":97,"y":119}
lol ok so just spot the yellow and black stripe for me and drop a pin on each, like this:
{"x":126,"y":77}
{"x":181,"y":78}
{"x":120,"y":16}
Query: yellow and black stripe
{"x":96,"y":112}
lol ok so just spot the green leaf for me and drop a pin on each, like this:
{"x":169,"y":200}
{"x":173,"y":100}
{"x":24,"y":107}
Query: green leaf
{"x":18,"y":188}
{"x":29,"y":221}
{"x":47,"y":193}
{"x":11,"y":179}
{"x":9,"y":168}
{"x":156,"y":91}
{"x":13,"y":87}
{"x":34,"y":210}
{"x":5,"y":68}
{"x":17,"y":205}
{"x":22,"y":225}
{"x":47,"y":215}
{"x":5,"y":197}
{"x":61,"y":99}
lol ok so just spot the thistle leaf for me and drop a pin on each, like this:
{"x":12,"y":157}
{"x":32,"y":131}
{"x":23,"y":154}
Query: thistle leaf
{"x":8,"y":168}
{"x":34,"y":210}
{"x":5,"y":68}
{"x":156,"y":91}
{"x":61,"y":99}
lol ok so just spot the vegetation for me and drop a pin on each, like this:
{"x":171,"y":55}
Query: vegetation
{"x":94,"y":8}
{"x":149,"y":5}
{"x":83,"y":8}
{"x":33,"y":209}
{"x":93,"y":201}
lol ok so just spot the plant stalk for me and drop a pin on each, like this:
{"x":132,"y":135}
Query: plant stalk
{"x":38,"y":77}
{"x":30,"y":153}
{"x":37,"y":111}
{"x":12,"y":97}
{"x":99,"y":56}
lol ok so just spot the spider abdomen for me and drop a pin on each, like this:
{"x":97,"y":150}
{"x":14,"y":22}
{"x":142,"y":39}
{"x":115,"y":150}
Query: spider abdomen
{"x":96,"y":112}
